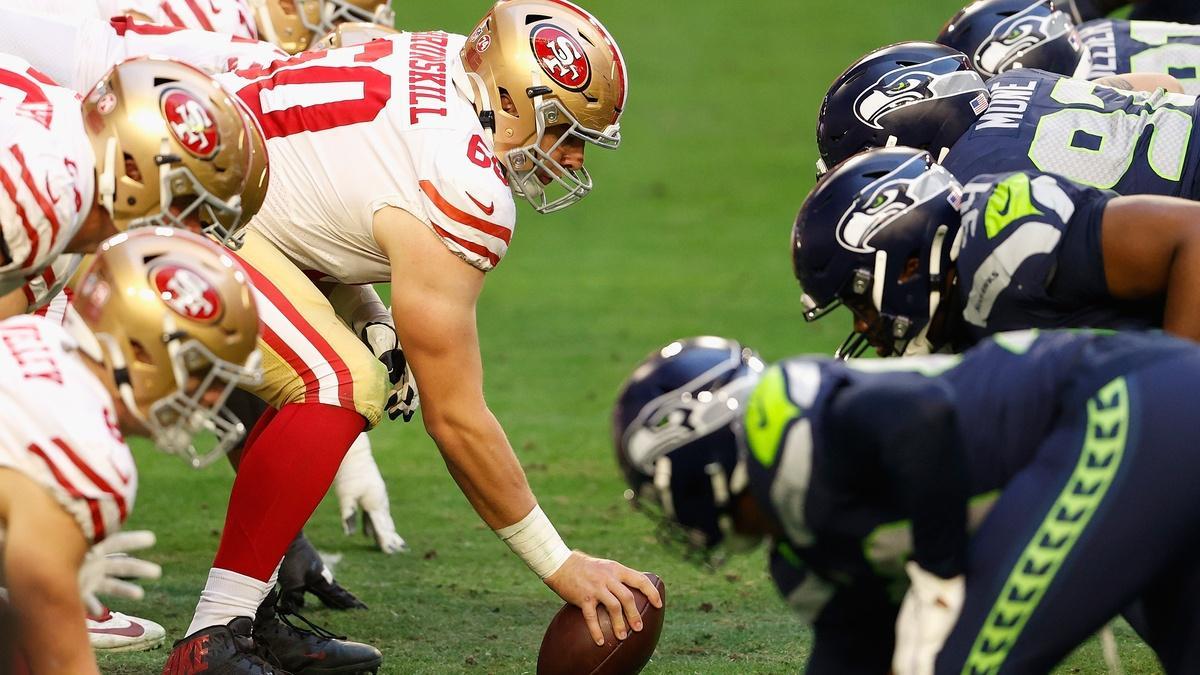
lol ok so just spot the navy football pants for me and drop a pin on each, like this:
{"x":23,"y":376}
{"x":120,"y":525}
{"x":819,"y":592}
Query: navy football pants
{"x":1105,"y":516}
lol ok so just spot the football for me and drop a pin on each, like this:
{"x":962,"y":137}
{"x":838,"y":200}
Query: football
{"x":568,"y":649}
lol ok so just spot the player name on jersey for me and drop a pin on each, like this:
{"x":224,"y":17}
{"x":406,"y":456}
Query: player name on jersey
{"x":427,"y":75}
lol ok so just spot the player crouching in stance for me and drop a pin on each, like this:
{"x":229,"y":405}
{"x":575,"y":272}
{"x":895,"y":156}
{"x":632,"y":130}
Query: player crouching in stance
{"x":993,"y":479}
{"x":166,"y":328}
{"x":926,"y":264}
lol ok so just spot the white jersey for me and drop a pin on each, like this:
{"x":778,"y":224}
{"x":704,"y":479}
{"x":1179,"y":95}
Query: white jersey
{"x":353,"y":130}
{"x":46,"y":171}
{"x":77,"y":50}
{"x":58,"y":426}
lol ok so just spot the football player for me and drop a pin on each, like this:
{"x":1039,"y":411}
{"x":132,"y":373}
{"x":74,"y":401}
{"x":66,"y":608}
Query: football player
{"x":1000,"y":35}
{"x":925,"y":264}
{"x":166,"y":328}
{"x":410,"y":181}
{"x":163,"y":144}
{"x":926,"y":95}
{"x":1003,"y":489}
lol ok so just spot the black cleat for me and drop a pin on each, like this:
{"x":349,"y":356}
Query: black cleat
{"x":302,"y":571}
{"x":312,"y":650}
{"x":219,"y":650}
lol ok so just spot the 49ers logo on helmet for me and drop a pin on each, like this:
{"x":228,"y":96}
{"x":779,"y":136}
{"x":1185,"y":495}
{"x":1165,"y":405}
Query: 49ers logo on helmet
{"x":186,"y":292}
{"x":561,"y":56}
{"x":190,"y":122}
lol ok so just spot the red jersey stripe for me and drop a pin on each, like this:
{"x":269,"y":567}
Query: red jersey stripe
{"x":171,"y":15}
{"x":458,"y":215}
{"x":29,"y":229}
{"x":44,"y":204}
{"x":98,"y":529}
{"x":200,"y":15}
{"x":93,"y":476}
{"x":471,"y":246}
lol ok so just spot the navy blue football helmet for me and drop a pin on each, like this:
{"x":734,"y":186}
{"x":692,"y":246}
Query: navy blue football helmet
{"x":876,"y":234}
{"x":1001,"y":35}
{"x":675,"y":443}
{"x":918,"y":94}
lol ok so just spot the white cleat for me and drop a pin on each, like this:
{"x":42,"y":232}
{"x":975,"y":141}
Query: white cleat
{"x":117,"y":632}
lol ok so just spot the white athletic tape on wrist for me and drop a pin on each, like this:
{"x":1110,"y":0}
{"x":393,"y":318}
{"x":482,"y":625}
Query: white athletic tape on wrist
{"x":535,"y":540}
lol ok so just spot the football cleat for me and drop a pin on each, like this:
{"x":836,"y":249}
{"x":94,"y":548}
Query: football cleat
{"x":219,"y":650}
{"x":304,"y":571}
{"x":116,"y":632}
{"x":312,"y":650}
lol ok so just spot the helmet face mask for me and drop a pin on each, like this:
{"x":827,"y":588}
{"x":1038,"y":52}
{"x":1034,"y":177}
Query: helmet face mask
{"x":876,"y":236}
{"x":334,"y":12}
{"x":528,"y":164}
{"x":174,"y":318}
{"x":673,"y":431}
{"x":176,"y":419}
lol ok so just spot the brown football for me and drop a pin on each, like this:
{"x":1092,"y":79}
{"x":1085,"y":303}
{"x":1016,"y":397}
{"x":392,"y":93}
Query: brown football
{"x":568,"y":649}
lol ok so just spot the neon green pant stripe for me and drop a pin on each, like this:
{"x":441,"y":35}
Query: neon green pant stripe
{"x":1103,"y":450}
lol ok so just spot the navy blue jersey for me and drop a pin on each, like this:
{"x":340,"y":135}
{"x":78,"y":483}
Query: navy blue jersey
{"x":1032,"y":257}
{"x":1132,"y":143}
{"x":849,"y":457}
{"x":1119,"y":47}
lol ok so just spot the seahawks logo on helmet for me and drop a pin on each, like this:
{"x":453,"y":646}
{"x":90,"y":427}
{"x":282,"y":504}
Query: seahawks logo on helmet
{"x":883,"y":202}
{"x":1013,"y":37}
{"x":940,"y":78}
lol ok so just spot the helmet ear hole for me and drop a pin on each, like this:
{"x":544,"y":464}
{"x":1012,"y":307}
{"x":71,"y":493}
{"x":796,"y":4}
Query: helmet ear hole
{"x":910,"y":269}
{"x":132,"y":172}
{"x":506,"y":103}
{"x":140,"y":353}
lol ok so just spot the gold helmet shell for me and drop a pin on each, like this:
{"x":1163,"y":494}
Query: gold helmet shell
{"x":294,"y":25}
{"x":560,"y":68}
{"x":167,"y":135}
{"x":291,"y":25}
{"x":175,"y":319}
{"x":351,"y":34}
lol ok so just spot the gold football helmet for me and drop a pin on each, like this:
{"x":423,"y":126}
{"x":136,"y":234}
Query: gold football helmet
{"x":294,"y":25}
{"x":351,"y":34}
{"x":560,"y":68}
{"x":170,"y":144}
{"x":173,"y":315}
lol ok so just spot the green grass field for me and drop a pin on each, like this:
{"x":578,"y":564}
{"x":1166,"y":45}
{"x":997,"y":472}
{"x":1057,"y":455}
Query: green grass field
{"x":686,"y":233}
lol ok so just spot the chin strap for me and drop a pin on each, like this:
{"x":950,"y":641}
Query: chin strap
{"x":476,"y":92}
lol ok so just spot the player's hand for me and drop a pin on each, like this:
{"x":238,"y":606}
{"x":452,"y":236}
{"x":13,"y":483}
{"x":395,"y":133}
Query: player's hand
{"x":927,"y":615}
{"x":404,"y":399}
{"x":359,"y":487}
{"x":591,"y":583}
{"x":107,"y":566}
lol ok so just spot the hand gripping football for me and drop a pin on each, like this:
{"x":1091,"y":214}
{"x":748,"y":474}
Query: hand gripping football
{"x":568,"y":649}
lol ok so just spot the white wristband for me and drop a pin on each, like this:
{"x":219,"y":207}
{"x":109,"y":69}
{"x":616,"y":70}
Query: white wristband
{"x":535,"y":540}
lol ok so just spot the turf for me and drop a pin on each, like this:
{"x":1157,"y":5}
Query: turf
{"x":686,"y":233}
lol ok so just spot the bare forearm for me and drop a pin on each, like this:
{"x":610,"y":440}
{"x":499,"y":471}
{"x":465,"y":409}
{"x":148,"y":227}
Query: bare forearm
{"x":1182,"y":315}
{"x":51,"y":628}
{"x":483,"y":464}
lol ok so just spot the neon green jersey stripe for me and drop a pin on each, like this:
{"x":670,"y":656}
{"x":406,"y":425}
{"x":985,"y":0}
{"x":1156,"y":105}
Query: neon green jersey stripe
{"x":1103,"y":450}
